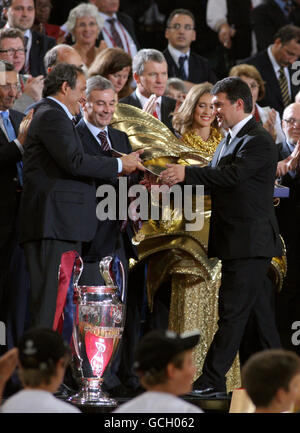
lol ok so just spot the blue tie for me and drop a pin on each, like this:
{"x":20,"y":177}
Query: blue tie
{"x":182,"y":73}
{"x":12,"y":136}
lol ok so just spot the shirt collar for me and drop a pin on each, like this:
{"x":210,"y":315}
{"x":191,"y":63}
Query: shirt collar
{"x":176,"y":53}
{"x":62,"y":105}
{"x":94,"y":129}
{"x":143,"y":98}
{"x":275,"y":65}
{"x":108,"y":17}
{"x":236,"y":129}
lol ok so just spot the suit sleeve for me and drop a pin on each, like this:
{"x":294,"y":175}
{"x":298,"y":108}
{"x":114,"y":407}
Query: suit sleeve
{"x":64,"y":149}
{"x":254,"y":155}
{"x":9,"y":154}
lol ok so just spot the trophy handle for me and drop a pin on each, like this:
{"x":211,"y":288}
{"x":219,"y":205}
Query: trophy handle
{"x":104,"y":267}
{"x":78,"y":267}
{"x":123,"y":282}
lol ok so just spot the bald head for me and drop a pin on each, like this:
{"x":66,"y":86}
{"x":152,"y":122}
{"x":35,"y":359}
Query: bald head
{"x":62,"y":54}
{"x":291,"y":122}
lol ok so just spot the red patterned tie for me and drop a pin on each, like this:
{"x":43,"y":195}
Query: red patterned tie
{"x":104,"y":143}
{"x":116,"y":37}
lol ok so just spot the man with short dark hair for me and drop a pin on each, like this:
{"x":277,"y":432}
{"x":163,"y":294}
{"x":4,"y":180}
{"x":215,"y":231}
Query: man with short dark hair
{"x":20,"y":14}
{"x":182,"y":62}
{"x":58,"y":203}
{"x":164,"y":363}
{"x":243,"y":228}
{"x":275,"y":66}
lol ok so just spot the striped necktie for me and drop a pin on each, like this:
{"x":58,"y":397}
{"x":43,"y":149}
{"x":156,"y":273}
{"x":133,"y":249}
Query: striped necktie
{"x":104,"y":142}
{"x":115,"y":35}
{"x":26,"y":66}
{"x":283,"y":84}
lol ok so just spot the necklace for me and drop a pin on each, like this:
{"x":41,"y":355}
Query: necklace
{"x":206,"y":147}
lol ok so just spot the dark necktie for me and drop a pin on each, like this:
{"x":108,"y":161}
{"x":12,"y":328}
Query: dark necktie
{"x":115,"y":35}
{"x":104,"y":142}
{"x":182,"y":73}
{"x":12,"y":136}
{"x":26,"y":65}
{"x":284,"y":87}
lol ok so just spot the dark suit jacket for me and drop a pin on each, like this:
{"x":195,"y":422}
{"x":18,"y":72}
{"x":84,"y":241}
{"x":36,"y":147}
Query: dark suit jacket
{"x":273,"y":96}
{"x":106,"y":239}
{"x":267,"y":19}
{"x":167,"y":107}
{"x":128,"y":23}
{"x":9,"y":187}
{"x":59,"y":195}
{"x":40,"y":45}
{"x":243,"y":222}
{"x":199,"y":68}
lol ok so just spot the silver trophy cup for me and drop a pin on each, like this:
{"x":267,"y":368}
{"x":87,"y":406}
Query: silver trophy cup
{"x":97,"y":329}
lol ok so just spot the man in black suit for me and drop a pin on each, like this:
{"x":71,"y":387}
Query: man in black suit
{"x":58,"y":202}
{"x":182,"y":62}
{"x":288,"y":213}
{"x":269,"y":17}
{"x":150,"y":71}
{"x":118,"y":28}
{"x":20,"y":14}
{"x":243,"y":228}
{"x":275,"y":63}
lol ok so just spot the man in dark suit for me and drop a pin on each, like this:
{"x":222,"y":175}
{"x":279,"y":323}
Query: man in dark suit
{"x":118,"y":30}
{"x":150,"y":71}
{"x":275,"y":63}
{"x":269,"y":17}
{"x":288,"y":213}
{"x":243,"y":228}
{"x":182,"y":62}
{"x":20,"y":14}
{"x":58,"y":203}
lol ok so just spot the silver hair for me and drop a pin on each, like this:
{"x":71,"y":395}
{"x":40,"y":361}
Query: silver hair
{"x":146,"y":55}
{"x":51,"y":56}
{"x":177,"y":84}
{"x":97,"y":82}
{"x":84,"y":10}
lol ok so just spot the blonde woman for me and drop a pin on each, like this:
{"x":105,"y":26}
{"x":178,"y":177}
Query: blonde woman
{"x":269,"y":117}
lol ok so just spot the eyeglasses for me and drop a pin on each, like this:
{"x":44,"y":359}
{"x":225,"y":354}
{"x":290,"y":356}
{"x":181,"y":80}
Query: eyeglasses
{"x":179,"y":26}
{"x":13,"y":51}
{"x":293,"y":122}
{"x":10,"y":86}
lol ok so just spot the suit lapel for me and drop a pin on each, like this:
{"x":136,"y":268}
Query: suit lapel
{"x":271,"y":77}
{"x":90,"y":143}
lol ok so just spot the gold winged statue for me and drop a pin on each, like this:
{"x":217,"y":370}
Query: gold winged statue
{"x":174,"y":254}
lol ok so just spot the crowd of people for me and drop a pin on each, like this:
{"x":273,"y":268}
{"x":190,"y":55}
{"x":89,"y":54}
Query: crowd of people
{"x":223,"y":77}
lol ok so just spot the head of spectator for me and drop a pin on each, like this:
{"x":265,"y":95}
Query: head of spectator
{"x":252,"y":77}
{"x":176,"y":89}
{"x":12,"y":47}
{"x":115,"y":65}
{"x":107,"y":7}
{"x":20,"y":14}
{"x":286,"y":45}
{"x":164,"y":361}
{"x":150,"y":71}
{"x":291,"y":123}
{"x":180,"y":29}
{"x":100,"y":102}
{"x":232,"y":101}
{"x":42,"y":11}
{"x":8,"y":85}
{"x":43,"y":358}
{"x":196,"y":111}
{"x":62,"y":54}
{"x":67,"y":84}
{"x":272,"y":380}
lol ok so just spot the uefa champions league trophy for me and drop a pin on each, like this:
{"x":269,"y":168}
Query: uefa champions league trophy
{"x":97,"y":329}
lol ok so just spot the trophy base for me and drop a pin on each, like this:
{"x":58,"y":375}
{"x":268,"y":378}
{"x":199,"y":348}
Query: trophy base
{"x":91,"y":394}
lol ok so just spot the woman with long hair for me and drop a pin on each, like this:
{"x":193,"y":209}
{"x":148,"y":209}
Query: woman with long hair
{"x":115,"y":65}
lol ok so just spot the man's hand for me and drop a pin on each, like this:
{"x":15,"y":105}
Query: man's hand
{"x":225,"y":34}
{"x":269,"y":125}
{"x":289,"y":163}
{"x":132,"y":162}
{"x":175,"y":173}
{"x":150,"y":105}
{"x":34,"y":87}
{"x":23,"y":128}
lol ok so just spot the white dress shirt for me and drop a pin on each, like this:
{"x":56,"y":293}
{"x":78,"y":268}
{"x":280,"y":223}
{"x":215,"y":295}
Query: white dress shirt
{"x":176,"y":54}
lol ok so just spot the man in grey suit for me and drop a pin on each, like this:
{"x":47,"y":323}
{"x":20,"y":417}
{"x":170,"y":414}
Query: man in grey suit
{"x":150,"y":71}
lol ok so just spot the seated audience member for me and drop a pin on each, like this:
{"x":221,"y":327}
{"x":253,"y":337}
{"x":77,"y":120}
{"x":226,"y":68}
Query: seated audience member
{"x":274,"y":65}
{"x":150,"y":72}
{"x":115,"y":65}
{"x":12,"y":50}
{"x":84,"y":23}
{"x":62,"y":54}
{"x":42,"y":14}
{"x":182,"y":62}
{"x":43,"y":358}
{"x":20,"y":14}
{"x":268,"y":116}
{"x":176,"y":89}
{"x":272,"y":380}
{"x":164,"y":363}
